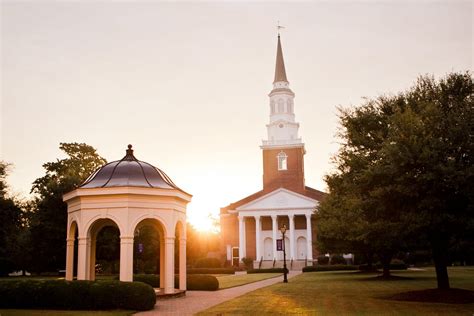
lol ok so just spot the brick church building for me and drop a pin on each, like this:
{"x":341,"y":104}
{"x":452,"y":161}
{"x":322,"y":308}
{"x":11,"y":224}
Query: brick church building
{"x":251,"y":226}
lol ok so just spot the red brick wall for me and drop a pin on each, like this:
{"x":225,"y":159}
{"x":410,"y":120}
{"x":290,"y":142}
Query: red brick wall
{"x":292,"y":179}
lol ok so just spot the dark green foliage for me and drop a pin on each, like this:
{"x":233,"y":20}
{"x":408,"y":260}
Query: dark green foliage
{"x":323,"y":260}
{"x":404,"y":175}
{"x":248,"y":262}
{"x":76,"y":295}
{"x":211,"y":271}
{"x":367,"y":268}
{"x":333,"y":267}
{"x":337,"y":259}
{"x":269,"y":270}
{"x":194,"y":282}
{"x":208,"y":263}
{"x":48,"y":221}
{"x":202,"y":282}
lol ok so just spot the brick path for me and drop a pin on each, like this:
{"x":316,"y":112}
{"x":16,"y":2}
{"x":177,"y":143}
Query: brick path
{"x":197,"y":301}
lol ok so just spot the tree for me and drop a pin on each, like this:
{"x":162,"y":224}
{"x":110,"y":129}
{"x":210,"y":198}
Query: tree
{"x":49,"y":219}
{"x":11,"y":224}
{"x":405,"y":171}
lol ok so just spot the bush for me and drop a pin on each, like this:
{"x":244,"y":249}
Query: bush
{"x":202,"y":282}
{"x":269,"y":270}
{"x":194,"y":282}
{"x":338,"y":259}
{"x":77,"y":295}
{"x":208,"y":263}
{"x":248,"y":262}
{"x":334,"y":267}
{"x":211,"y":271}
{"x":323,"y":260}
{"x":367,"y":268}
{"x":397,"y":264}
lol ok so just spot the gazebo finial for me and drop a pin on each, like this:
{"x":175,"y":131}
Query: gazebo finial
{"x":129,"y":153}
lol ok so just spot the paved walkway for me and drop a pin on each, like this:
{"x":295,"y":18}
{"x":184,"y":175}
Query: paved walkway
{"x":197,"y":301}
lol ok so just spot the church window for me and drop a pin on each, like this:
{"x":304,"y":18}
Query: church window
{"x":281,"y":106}
{"x":272,"y":105}
{"x":282,"y":161}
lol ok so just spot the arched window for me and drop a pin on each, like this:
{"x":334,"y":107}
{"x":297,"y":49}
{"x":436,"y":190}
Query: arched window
{"x":272,"y":105}
{"x":281,"y":106}
{"x":282,"y":161}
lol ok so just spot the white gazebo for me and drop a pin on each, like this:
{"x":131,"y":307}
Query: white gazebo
{"x":127,"y":193}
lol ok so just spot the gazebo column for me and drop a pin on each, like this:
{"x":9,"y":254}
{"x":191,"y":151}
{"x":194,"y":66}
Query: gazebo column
{"x":258,"y":242}
{"x":274,"y":235}
{"x":91,"y":250}
{"x":162,"y":263}
{"x":169,"y":265}
{"x":242,"y":245}
{"x":182,"y":264}
{"x":291,"y":218}
{"x":82,"y":262}
{"x":309,"y":238}
{"x":69,"y":259}
{"x":126,"y":258}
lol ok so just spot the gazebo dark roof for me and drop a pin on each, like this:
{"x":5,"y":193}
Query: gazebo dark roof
{"x":129,"y":172}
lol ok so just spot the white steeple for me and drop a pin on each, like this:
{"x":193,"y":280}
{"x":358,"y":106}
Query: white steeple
{"x":282,"y":129}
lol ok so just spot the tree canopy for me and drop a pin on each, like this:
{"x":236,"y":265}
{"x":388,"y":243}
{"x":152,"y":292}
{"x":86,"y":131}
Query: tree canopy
{"x":404,"y":172}
{"x":49,"y":219}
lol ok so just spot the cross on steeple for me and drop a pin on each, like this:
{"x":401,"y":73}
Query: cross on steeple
{"x":279,"y":27}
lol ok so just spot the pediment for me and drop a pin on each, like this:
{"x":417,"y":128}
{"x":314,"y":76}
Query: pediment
{"x":280,"y":199}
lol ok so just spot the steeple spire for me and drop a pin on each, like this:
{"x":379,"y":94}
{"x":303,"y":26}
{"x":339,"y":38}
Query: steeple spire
{"x":280,"y":72}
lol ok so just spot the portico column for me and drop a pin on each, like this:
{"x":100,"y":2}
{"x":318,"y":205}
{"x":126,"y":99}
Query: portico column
{"x":274,"y":235}
{"x":82,"y":264}
{"x":241,"y":238}
{"x":162,"y":262}
{"x":291,"y":217}
{"x":182,"y":264}
{"x":258,"y":242}
{"x":126,"y":258}
{"x":169,"y":265}
{"x":309,"y":238}
{"x":69,"y":259}
{"x":92,"y":248}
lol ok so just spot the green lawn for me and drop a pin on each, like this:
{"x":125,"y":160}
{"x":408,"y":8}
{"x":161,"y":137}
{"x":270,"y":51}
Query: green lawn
{"x":227,"y":281}
{"x":33,"y":312}
{"x":348,"y":293}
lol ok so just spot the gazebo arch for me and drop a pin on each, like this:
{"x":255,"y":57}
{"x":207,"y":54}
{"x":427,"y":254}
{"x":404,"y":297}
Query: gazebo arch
{"x":127,"y":193}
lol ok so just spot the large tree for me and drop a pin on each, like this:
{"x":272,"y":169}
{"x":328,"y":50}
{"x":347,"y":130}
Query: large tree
{"x":405,"y":171}
{"x":11,"y":224}
{"x":49,"y":219}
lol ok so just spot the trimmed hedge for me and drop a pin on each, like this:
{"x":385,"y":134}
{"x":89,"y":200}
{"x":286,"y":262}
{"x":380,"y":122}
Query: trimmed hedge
{"x":194,"y":282}
{"x":337,"y":259}
{"x":211,"y":271}
{"x":76,"y":295}
{"x":269,"y":270}
{"x":334,"y":267}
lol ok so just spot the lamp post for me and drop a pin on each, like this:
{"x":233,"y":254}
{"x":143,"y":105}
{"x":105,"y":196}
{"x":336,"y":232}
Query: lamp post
{"x":285,"y":271}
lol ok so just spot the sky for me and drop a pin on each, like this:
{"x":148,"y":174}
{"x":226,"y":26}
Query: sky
{"x":187,"y":83}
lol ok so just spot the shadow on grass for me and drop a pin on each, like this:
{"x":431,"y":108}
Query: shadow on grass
{"x":450,"y":296}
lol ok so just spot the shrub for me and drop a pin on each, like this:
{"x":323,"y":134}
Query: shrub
{"x":78,"y":295}
{"x":151,"y":279}
{"x":269,"y":270}
{"x":248,"y":262}
{"x":367,"y":268}
{"x":397,"y":264}
{"x":334,"y":267}
{"x":338,"y":259}
{"x":323,"y":260}
{"x":211,"y":271}
{"x":202,"y":282}
{"x":208,"y":263}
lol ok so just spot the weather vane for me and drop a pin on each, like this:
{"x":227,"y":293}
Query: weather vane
{"x":279,"y":27}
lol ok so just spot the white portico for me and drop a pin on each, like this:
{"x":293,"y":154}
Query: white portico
{"x":284,"y":206}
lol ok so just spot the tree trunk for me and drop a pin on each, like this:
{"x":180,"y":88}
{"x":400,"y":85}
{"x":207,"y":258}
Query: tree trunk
{"x":440,"y":256}
{"x":386,"y":258}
